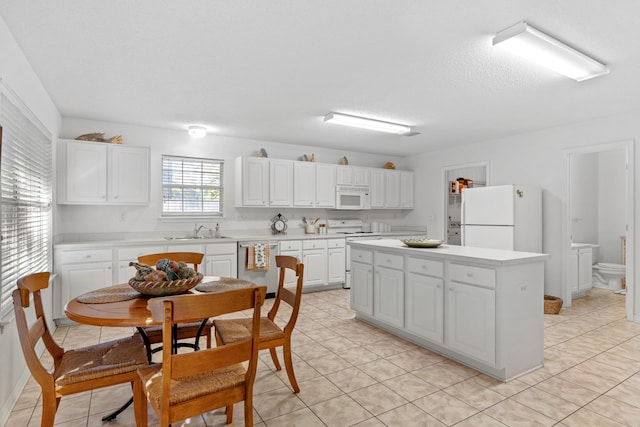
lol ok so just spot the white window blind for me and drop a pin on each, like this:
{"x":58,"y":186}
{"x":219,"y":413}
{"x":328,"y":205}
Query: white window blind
{"x":192,"y":186}
{"x":25,"y":187}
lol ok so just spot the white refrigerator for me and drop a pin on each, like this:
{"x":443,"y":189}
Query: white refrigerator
{"x":505,"y":217}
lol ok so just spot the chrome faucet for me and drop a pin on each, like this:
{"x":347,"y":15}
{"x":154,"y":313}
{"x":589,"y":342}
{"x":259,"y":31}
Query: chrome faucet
{"x":197,"y":229}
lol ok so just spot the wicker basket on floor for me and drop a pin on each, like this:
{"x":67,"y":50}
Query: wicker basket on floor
{"x":552,"y":305}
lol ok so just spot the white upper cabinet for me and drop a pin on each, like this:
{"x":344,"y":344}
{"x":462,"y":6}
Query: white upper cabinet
{"x":378,"y":189}
{"x":325,"y":185}
{"x":304,"y":184}
{"x":100,"y":173}
{"x":252,"y":181}
{"x":280,"y":183}
{"x":406,"y":189}
{"x":350,"y":175}
{"x":392,"y":197}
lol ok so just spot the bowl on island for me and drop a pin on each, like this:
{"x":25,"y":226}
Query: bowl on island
{"x":423,"y":243}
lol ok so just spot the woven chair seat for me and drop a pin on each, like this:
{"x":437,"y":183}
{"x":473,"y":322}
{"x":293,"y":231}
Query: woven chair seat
{"x":234,"y":330}
{"x":101,"y":360}
{"x":193,"y":386}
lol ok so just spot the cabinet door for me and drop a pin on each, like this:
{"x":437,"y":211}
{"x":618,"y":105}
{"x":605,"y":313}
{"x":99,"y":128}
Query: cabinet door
{"x":585,"y":280}
{"x":378,"y":187}
{"x":78,"y":279}
{"x":573,"y":270}
{"x":470,"y":321}
{"x":362,"y":287}
{"x":406,"y":189}
{"x":128,"y":175}
{"x":388,"y":296}
{"x":392,"y":193}
{"x":361,"y":176}
{"x":425,"y":306}
{"x":304,"y":184}
{"x":254,"y":181}
{"x":315,"y":267}
{"x":280,"y":183}
{"x":85,"y":177}
{"x":344,"y":175}
{"x":325,"y":186}
{"x":221,"y":265}
{"x":336,"y":263}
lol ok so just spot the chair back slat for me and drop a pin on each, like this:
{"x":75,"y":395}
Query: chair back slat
{"x":210,"y":359}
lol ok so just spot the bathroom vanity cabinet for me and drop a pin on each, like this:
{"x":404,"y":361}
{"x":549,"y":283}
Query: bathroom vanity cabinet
{"x":581,"y":261}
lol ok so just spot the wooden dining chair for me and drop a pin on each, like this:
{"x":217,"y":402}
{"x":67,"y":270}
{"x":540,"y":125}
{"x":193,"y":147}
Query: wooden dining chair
{"x":190,"y":330}
{"x":189,"y":384}
{"x":74,"y":371}
{"x":271,"y":334}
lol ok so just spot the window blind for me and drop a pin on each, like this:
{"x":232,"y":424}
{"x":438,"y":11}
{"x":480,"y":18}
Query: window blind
{"x":26,"y":192}
{"x":192,"y":186}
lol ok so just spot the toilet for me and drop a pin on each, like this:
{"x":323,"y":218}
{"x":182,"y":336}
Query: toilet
{"x":608,"y":275}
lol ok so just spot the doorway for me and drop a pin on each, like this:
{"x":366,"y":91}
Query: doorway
{"x":600,"y":201}
{"x":455,"y":179}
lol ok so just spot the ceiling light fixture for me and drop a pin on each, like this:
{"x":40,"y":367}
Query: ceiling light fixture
{"x":197,"y":131}
{"x":362,"y":122}
{"x":534,"y":45}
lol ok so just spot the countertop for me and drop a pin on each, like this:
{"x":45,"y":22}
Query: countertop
{"x":130,"y":239}
{"x":466,"y":253}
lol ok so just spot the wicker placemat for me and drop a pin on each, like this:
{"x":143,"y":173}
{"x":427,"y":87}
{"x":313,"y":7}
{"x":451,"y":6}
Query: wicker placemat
{"x":223,"y":284}
{"x":114,"y":294}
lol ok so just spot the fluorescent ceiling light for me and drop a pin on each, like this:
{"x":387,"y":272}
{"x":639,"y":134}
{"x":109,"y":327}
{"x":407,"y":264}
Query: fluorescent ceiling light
{"x":197,"y":131}
{"x":361,"y":122}
{"x":534,"y":45}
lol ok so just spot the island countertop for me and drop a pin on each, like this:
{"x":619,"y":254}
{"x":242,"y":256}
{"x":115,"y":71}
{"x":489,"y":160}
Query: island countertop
{"x":461,"y":253}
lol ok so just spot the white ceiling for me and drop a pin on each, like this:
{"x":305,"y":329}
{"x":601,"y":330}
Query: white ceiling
{"x":271,"y":70}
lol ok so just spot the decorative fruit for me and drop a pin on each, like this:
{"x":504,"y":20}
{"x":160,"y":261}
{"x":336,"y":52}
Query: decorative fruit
{"x":173,"y":266}
{"x":162,"y":264}
{"x":157,"y":276}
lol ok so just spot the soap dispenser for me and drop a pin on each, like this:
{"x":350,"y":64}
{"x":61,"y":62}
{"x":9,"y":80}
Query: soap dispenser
{"x":217,"y":230}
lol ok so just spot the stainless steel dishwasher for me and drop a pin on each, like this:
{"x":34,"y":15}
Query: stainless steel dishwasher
{"x":268,"y":278}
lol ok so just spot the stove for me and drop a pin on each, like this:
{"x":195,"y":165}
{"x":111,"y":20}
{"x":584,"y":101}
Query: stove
{"x":352,"y":229}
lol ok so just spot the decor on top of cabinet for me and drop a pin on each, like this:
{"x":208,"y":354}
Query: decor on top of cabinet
{"x":344,"y":160}
{"x":306,"y":158}
{"x":99,"y":137}
{"x":262,"y":153}
{"x":390,"y":165}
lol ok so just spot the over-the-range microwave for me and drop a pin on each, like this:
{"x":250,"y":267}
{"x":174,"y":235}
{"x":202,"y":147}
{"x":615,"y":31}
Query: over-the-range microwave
{"x":352,"y":197}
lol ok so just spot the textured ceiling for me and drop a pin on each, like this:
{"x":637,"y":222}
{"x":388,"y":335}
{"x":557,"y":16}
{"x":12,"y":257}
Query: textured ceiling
{"x":271,"y":70}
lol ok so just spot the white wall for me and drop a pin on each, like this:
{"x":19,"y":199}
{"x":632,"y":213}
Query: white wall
{"x":17,"y":74}
{"x":536,"y":158}
{"x":585,"y":188}
{"x":121,"y":219}
{"x":612,"y":205}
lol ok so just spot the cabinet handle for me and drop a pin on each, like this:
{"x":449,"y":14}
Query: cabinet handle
{"x":469,"y":274}
{"x":88,"y":256}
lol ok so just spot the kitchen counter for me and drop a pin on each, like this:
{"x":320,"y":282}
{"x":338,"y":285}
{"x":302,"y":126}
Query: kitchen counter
{"x":481,"y":307}
{"x":132,"y":239}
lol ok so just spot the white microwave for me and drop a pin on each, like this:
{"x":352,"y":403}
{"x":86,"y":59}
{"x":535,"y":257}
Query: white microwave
{"x":352,"y":197}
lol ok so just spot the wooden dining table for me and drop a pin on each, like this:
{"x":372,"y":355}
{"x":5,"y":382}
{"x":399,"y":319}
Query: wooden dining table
{"x":121,"y":306}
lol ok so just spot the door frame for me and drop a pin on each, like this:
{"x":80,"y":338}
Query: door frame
{"x":444,"y":186}
{"x":628,"y":147}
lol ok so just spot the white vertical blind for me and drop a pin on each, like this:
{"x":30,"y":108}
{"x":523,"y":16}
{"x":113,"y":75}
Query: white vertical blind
{"x":192,"y":186}
{"x":26,"y":192}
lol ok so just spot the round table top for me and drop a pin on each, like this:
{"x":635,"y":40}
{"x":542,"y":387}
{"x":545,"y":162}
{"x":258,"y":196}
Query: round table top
{"x":131,"y":312}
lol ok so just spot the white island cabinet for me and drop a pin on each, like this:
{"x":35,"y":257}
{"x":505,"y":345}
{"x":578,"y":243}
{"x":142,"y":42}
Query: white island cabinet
{"x":481,"y":307}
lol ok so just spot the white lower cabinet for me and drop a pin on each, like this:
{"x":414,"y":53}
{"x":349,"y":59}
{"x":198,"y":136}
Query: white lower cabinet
{"x":471,"y":321}
{"x":314,"y":258}
{"x":580,"y":264}
{"x":290,"y":248}
{"x":80,"y":271}
{"x":388,"y":288}
{"x":221,"y":260}
{"x":336,"y":261}
{"x":424,"y":302}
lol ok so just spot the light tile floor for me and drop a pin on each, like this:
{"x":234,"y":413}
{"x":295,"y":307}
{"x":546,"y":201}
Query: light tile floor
{"x":351,"y":373}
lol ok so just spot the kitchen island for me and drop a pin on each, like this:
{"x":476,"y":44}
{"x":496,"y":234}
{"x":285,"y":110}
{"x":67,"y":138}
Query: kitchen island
{"x":481,"y":307}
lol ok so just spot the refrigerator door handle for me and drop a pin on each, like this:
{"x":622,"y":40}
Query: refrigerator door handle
{"x":462,"y":221}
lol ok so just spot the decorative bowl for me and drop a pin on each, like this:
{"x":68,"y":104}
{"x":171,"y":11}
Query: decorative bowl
{"x":423,"y":243}
{"x":169,"y":287}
